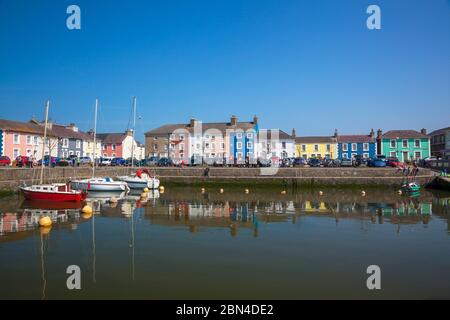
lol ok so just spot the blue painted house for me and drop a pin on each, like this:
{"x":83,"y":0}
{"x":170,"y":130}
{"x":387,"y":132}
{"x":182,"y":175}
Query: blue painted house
{"x":242,"y":138}
{"x":349,"y":146}
{"x":1,"y":143}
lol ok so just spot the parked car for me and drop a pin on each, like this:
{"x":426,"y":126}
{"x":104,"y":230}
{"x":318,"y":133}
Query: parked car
{"x":331,"y":163}
{"x":63,"y":162}
{"x":5,"y":161}
{"x":393,"y":162}
{"x":299,"y":162}
{"x":377,"y":162}
{"x":48,"y":161}
{"x":359,"y":160}
{"x":23,"y":161}
{"x":85,"y":160}
{"x":105,"y":161}
{"x":314,"y":162}
{"x":118,"y":161}
{"x":135,"y":161}
{"x":165,"y":162}
{"x":261,"y":162}
{"x":345,"y":162}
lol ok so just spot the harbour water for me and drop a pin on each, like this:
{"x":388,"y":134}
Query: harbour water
{"x":185,"y":244}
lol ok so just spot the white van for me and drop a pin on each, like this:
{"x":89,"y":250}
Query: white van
{"x":106,"y":161}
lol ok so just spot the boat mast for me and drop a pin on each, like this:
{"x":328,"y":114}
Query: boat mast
{"x":43,"y":143}
{"x":95,"y":137}
{"x":134,"y":129}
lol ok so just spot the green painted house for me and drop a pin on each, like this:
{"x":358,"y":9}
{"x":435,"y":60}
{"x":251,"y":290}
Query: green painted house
{"x":404,"y":144}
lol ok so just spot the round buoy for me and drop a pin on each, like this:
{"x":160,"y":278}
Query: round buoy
{"x":399,"y":191}
{"x":221,"y":190}
{"x":247,"y":191}
{"x":113,"y":200}
{"x":363,"y":193}
{"x":203,"y":190}
{"x":87,"y":209}
{"x":145,"y":190}
{"x":161,"y":188}
{"x":283,"y":192}
{"x":87,"y":215}
{"x":45,"y":221}
{"x":320,"y":192}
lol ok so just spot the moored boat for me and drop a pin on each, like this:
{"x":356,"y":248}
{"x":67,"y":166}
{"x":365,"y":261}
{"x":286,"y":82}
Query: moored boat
{"x":140,"y":180}
{"x":53,"y":192}
{"x":411,"y":187}
{"x":100,"y":184}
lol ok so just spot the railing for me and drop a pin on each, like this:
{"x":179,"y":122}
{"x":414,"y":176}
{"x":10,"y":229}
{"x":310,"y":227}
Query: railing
{"x":439,"y":164}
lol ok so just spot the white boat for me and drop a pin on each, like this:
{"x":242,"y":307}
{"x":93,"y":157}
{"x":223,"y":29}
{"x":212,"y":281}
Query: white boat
{"x":100,"y":184}
{"x":140,"y":180}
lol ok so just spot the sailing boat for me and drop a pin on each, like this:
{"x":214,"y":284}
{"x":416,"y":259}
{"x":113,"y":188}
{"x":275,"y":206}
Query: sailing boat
{"x":96,"y":183}
{"x":51,"y":192}
{"x":142,"y":178}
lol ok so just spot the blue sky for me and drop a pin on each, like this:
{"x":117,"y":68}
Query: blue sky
{"x":312,"y":65}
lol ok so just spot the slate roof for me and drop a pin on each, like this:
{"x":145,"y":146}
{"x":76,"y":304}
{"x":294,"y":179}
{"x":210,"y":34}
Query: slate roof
{"x":439,"y":131}
{"x":321,"y":139}
{"x":111,"y":138}
{"x":221,"y":126}
{"x":24,"y":127}
{"x":63,"y":132}
{"x":404,"y":134}
{"x":355,"y":138}
{"x":266,"y":133}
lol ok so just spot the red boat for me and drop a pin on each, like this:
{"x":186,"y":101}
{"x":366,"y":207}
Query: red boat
{"x":53,"y":192}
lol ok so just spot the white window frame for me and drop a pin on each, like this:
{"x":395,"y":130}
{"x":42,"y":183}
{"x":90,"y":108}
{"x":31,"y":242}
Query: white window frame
{"x":303,"y":147}
{"x":403,"y":143}
{"x":420,"y":154}
{"x":354,"y":154}
{"x":366,"y":146}
{"x":78,"y":153}
{"x":78,"y":144}
{"x":250,"y":135}
{"x":249,"y":145}
{"x":328,"y":146}
{"x":239,"y":145}
{"x":393,"y":154}
{"x":16,"y":141}
{"x":35,"y":140}
{"x":355,"y":145}
{"x":239,"y":135}
{"x":15,"y":150}
{"x":366,"y":155}
{"x":114,"y":155}
{"x":395,"y":143}
{"x":345,"y":156}
{"x":113,"y":146}
{"x":239,"y":155}
{"x":316,"y":147}
{"x":345,"y":147}
{"x":28,"y":140}
{"x":65,"y":143}
{"x":420,"y":143}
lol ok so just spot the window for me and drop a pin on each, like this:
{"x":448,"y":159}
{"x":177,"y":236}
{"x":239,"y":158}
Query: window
{"x":78,"y":154}
{"x":353,"y":155}
{"x":35,"y":138}
{"x":239,"y":155}
{"x":16,"y":153}
{"x":417,"y":143}
{"x":213,"y":145}
{"x":207,"y":145}
{"x":181,"y":146}
{"x":28,"y":140}
{"x":313,"y":155}
{"x":250,"y":135}
{"x":113,"y":147}
{"x":114,"y":155}
{"x":345,"y":156}
{"x":365,"y":155}
{"x":316,"y":147}
{"x":354,"y":146}
{"x":344,"y":147}
{"x":16,"y":138}
{"x":365,"y":146}
{"x":319,"y":155}
{"x":78,"y":144}
{"x":327,"y":155}
{"x":283,"y":145}
{"x":239,"y":145}
{"x":181,"y":136}
{"x":105,"y":147}
{"x":239,"y":135}
{"x":303,"y":147}
{"x":249,"y":145}
{"x":222,"y":145}
{"x":328,"y":147}
{"x":65,"y":143}
{"x":29,"y":152}
{"x":198,"y":146}
{"x":304,"y":156}
{"x":155,"y":138}
{"x":392,"y":154}
{"x":105,"y":155}
{"x":70,"y":152}
{"x":405,"y":143}
{"x":417,"y":155}
{"x":393,"y":143}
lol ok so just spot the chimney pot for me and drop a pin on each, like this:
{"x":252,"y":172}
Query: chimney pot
{"x":234,"y":120}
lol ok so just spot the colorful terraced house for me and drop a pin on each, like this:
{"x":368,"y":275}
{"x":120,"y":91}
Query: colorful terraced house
{"x":315,"y":147}
{"x":348,"y":146}
{"x":404,"y":144}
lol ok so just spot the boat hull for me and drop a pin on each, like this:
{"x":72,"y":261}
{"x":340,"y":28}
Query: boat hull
{"x":135,"y":183}
{"x":95,"y":186}
{"x":49,"y":196}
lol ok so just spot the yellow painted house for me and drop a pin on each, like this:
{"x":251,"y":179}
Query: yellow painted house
{"x":316,"y":147}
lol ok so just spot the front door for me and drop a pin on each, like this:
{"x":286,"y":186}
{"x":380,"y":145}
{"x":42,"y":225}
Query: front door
{"x":405,"y":155}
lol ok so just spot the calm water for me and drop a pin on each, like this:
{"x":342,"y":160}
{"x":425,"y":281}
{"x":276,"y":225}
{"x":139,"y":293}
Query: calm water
{"x":186,"y":245}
